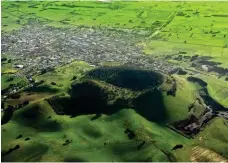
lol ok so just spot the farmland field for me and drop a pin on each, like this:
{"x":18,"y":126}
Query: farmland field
{"x":114,"y":81}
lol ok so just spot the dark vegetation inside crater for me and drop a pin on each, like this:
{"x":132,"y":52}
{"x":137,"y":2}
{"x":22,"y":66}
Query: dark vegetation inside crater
{"x":124,"y":77}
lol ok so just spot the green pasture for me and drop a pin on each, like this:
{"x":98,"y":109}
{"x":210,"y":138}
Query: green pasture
{"x":90,"y":138}
{"x":214,"y":136}
{"x":217,"y":89}
{"x":63,"y":76}
{"x":117,"y":14}
{"x":16,"y":80}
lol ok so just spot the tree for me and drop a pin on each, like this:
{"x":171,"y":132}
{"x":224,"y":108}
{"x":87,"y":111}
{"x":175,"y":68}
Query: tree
{"x":2,"y":105}
{"x":26,"y":102}
{"x":53,"y":83}
{"x":3,"y":59}
{"x":15,"y":96}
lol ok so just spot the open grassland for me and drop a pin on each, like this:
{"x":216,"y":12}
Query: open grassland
{"x":56,"y":82}
{"x":48,"y":132}
{"x":170,"y":30}
{"x":8,"y":79}
{"x":203,"y":147}
{"x":214,"y":136}
{"x":218,"y":89}
{"x":177,"y":106}
{"x":117,"y":14}
{"x":64,"y":75}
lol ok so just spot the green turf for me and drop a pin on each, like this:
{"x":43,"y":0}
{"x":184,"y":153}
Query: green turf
{"x":214,"y":136}
{"x":16,"y":80}
{"x":63,"y":76}
{"x":217,"y":89}
{"x":88,"y":137}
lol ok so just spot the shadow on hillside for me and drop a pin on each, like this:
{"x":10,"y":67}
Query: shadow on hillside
{"x":34,"y":115}
{"x":151,"y":106}
{"x":43,"y":89}
{"x":89,"y":98}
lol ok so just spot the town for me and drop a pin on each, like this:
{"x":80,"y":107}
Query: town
{"x":37,"y":48}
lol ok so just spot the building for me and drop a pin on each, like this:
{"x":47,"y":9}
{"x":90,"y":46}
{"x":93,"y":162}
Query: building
{"x":19,"y":66}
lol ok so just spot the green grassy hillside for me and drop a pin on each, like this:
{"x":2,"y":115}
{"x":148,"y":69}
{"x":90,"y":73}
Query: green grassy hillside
{"x":110,"y":110}
{"x":48,"y":132}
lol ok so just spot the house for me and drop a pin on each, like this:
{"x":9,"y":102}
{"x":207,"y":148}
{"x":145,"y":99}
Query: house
{"x":205,"y":67}
{"x":19,"y":66}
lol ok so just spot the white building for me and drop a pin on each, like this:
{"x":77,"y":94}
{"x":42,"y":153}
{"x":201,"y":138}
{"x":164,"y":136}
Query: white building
{"x":204,"y":67}
{"x":19,"y":66}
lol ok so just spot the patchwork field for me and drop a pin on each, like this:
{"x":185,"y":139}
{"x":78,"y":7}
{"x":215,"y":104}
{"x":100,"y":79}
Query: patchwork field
{"x":114,"y":81}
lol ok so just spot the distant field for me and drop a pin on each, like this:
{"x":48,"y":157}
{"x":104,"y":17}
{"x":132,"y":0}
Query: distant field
{"x":198,"y":26}
{"x":118,"y":14}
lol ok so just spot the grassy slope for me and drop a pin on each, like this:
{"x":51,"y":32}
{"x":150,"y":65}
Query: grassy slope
{"x":212,"y":139}
{"x":63,"y":75}
{"x":5,"y":83}
{"x":217,"y":89}
{"x":88,"y":137}
{"x":214,"y":136}
{"x":177,"y":107}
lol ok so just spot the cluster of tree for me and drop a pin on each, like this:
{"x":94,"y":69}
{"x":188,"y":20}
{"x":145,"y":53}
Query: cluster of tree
{"x":130,"y":133}
{"x":53,"y":83}
{"x":33,"y":6}
{"x":197,"y":80}
{"x":3,"y":59}
{"x":10,"y":79}
{"x":26,"y":102}
{"x":115,"y":6}
{"x":15,"y":96}
{"x":8,"y":113}
{"x":173,"y":90}
{"x":43,"y":71}
{"x":181,"y":14}
{"x":181,"y":126}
